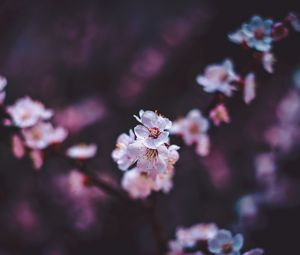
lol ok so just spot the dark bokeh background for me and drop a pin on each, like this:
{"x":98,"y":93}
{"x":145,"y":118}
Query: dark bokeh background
{"x":114,"y":58}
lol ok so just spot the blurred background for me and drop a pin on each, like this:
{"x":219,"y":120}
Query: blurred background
{"x":99,"y":62}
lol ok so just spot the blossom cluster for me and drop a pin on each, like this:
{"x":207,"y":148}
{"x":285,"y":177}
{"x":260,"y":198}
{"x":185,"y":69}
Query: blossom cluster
{"x":260,"y":34}
{"x":202,"y":239}
{"x":34,"y":131}
{"x":147,"y":154}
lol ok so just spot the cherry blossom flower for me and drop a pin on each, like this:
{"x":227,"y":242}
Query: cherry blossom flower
{"x":268,"y":61}
{"x":153,"y":161}
{"x":43,"y":135}
{"x":249,"y":88}
{"x":219,"y":114}
{"x":193,"y":129}
{"x":3,"y":83}
{"x":224,"y":243}
{"x":256,"y":34}
{"x":120,"y":154}
{"x":82,"y":151}
{"x":189,"y":238}
{"x":219,"y":77}
{"x":26,"y":112}
{"x":154,"y":129}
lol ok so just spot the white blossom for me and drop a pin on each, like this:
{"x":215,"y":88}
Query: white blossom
{"x":120,"y":154}
{"x":26,"y":112}
{"x":43,"y":135}
{"x":219,"y":77}
{"x":193,"y":129}
{"x":154,"y":129}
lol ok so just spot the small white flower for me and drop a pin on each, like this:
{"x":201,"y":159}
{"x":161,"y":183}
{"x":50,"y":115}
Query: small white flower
{"x":26,"y":112}
{"x":120,"y":154}
{"x":219,"y":77}
{"x":154,"y":129}
{"x":82,"y":151}
{"x":193,"y":129}
{"x":249,"y":88}
{"x":3,"y":83}
{"x":43,"y":135}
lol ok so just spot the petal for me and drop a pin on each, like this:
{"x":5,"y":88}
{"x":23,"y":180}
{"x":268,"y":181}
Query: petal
{"x":141,"y":132}
{"x":214,"y":246}
{"x":136,"y":149}
{"x":238,"y":242}
{"x":148,"y":118}
{"x":224,"y":236}
{"x":254,"y":252}
{"x":160,"y":165}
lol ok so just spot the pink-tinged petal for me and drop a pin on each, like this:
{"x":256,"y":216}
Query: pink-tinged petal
{"x":268,"y":61}
{"x":37,"y":159}
{"x":254,"y":252}
{"x":150,"y":143}
{"x":161,"y":165}
{"x":138,"y":118}
{"x":203,"y":145}
{"x":148,"y":118}
{"x":141,"y":132}
{"x":18,"y":147}
{"x":163,"y":123}
{"x":136,"y":149}
{"x":249,"y":88}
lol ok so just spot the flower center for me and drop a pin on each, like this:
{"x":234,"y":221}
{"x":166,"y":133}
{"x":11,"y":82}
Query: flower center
{"x":194,"y":128}
{"x":227,"y":248}
{"x":151,"y":154}
{"x":259,"y":33}
{"x":154,"y":132}
{"x":36,"y":134}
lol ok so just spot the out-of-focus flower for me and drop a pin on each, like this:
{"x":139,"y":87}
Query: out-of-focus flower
{"x":219,"y":77}
{"x":193,"y":129}
{"x":247,"y":207}
{"x":17,"y":146}
{"x":82,"y":151}
{"x":219,"y":114}
{"x":189,"y":238}
{"x":224,"y":243}
{"x":265,"y":167}
{"x":120,"y":154}
{"x":256,"y":34}
{"x":43,"y":135}
{"x":26,"y":112}
{"x":268,"y":61}
{"x":288,"y":110}
{"x":3,"y":83}
{"x":152,"y":161}
{"x":256,"y":251}
{"x":154,"y":129}
{"x":137,"y":184}
{"x":249,"y":88}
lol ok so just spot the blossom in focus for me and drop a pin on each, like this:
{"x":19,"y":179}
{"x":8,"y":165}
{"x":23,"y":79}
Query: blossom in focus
{"x":189,"y":238}
{"x":154,"y":129}
{"x":82,"y":151}
{"x":219,"y":78}
{"x":152,"y":161}
{"x":249,"y":88}
{"x":3,"y":83}
{"x":256,"y":34}
{"x":193,"y":129}
{"x":43,"y":135}
{"x":219,"y":114}
{"x":268,"y":61}
{"x":26,"y":112}
{"x":120,"y":154}
{"x":224,"y":243}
